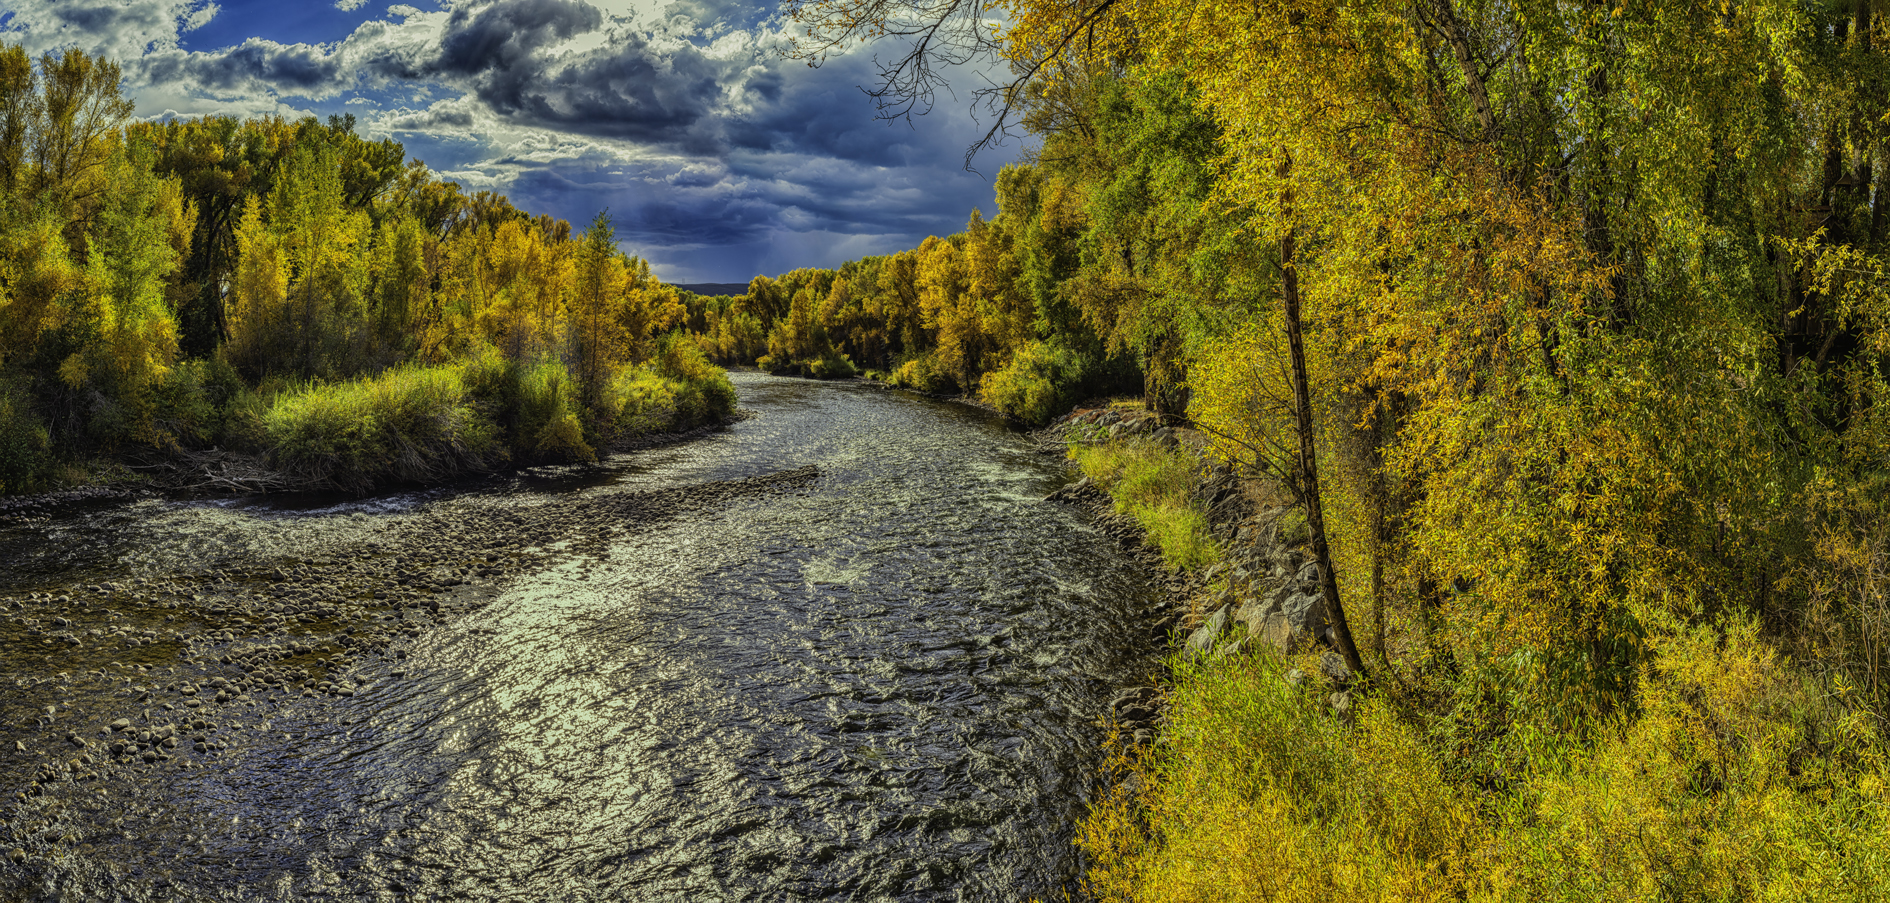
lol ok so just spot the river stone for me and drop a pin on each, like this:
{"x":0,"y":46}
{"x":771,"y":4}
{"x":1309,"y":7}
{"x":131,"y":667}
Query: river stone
{"x":1203,"y":638}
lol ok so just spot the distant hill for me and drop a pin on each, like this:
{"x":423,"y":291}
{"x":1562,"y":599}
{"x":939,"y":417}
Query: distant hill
{"x":714,"y":288}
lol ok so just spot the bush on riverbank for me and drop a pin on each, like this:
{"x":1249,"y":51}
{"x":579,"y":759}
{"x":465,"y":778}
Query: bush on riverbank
{"x":830,"y":364}
{"x":1738,"y":776}
{"x":24,"y":442}
{"x":535,"y":405}
{"x":923,"y":374}
{"x":409,"y":425}
{"x":1153,"y":484}
{"x":1043,"y":380}
{"x":677,"y":390}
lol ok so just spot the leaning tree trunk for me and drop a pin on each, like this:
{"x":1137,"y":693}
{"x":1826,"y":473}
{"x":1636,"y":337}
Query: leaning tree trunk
{"x":1308,"y":456}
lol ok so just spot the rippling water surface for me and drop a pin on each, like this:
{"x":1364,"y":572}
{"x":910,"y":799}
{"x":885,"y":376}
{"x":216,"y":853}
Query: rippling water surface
{"x":880,"y":686}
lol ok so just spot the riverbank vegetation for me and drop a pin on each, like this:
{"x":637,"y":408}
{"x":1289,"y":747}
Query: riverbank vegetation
{"x":1566,"y":326}
{"x":295,"y":293}
{"x":1154,"y":484}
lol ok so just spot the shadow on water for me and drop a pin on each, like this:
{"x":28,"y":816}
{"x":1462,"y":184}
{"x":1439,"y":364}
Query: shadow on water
{"x":880,"y":683}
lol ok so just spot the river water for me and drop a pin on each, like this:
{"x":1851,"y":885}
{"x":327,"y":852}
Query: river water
{"x":879,"y":682}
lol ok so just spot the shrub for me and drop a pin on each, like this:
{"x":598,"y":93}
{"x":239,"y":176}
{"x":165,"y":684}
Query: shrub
{"x":201,"y":401}
{"x":25,"y":444}
{"x":924,"y":374}
{"x":1258,"y":794}
{"x":832,"y":365}
{"x":535,"y":406}
{"x":644,"y":400}
{"x":547,"y":425}
{"x":1736,"y":776}
{"x":706,"y":394}
{"x":1041,"y":381}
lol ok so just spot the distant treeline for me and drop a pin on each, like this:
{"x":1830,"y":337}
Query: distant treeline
{"x":1007,"y":310}
{"x":172,"y":287}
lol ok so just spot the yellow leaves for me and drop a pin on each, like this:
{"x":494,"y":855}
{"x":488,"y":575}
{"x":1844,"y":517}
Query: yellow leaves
{"x":74,"y":370}
{"x":527,"y":279}
{"x":1242,"y":396}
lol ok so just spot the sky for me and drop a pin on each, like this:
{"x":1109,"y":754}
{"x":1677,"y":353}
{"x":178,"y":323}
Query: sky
{"x":717,"y":156}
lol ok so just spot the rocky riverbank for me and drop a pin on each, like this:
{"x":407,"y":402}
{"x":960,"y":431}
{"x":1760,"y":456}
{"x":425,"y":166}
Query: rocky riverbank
{"x":166,"y":672}
{"x":1264,"y":590}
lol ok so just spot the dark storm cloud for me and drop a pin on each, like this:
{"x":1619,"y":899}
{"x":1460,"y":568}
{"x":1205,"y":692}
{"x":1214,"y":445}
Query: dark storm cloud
{"x":99,"y":19}
{"x":505,"y":35}
{"x":509,"y":55}
{"x":673,"y":95}
{"x":631,"y":91}
{"x":286,"y":68}
{"x":749,"y":197}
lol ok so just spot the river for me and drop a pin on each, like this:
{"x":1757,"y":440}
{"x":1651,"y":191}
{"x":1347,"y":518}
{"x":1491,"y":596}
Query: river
{"x":840,"y":651}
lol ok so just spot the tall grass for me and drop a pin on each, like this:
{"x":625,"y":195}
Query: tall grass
{"x":411,"y":424}
{"x":1153,"y":484}
{"x":535,"y":406}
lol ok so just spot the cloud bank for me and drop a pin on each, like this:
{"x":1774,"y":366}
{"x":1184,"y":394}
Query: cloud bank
{"x":717,"y":157}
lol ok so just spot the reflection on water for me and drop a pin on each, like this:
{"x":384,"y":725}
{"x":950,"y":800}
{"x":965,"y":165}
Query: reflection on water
{"x":884,"y":686}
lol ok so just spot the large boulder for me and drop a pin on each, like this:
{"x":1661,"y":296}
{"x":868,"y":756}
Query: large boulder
{"x":1305,"y":615}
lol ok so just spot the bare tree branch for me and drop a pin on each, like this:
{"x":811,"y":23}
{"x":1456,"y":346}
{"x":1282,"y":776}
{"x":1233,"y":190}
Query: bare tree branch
{"x":938,"y":34}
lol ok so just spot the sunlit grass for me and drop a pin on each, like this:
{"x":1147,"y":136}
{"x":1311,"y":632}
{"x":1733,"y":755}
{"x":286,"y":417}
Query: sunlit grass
{"x":1152,"y":484}
{"x":409,"y":424}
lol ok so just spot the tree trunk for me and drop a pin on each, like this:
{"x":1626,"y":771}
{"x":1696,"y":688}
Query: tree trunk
{"x":1308,"y":456}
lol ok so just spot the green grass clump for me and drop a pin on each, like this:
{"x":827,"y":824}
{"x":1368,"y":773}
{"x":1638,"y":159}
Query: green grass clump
{"x":1153,"y":484}
{"x":408,"y":425}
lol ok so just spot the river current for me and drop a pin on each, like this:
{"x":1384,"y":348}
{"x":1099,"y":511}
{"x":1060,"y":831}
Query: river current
{"x":880,"y":683}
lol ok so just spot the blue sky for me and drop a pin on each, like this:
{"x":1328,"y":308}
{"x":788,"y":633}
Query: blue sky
{"x":717,"y":156}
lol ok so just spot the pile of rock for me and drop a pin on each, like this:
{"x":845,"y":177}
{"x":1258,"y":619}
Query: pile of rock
{"x":1111,"y":423}
{"x":1272,"y":594}
{"x":1267,"y":589}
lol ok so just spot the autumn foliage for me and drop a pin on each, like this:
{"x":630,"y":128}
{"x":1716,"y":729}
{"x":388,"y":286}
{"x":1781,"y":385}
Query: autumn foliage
{"x":1590,"y":300}
{"x":294,"y":290}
